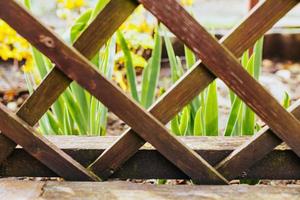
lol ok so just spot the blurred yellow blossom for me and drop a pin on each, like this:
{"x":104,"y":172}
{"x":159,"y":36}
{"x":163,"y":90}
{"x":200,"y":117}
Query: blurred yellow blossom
{"x":138,"y":29}
{"x":72,"y":4}
{"x":187,"y":2}
{"x":13,"y":46}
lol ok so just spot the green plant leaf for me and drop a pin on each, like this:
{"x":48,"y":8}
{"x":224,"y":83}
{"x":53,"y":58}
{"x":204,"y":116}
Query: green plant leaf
{"x":258,"y":50}
{"x":67,"y":128}
{"x":75,"y":111}
{"x":172,"y":57}
{"x":184,"y":121}
{"x":211,"y":111}
{"x":130,"y":71}
{"x":248,"y":119}
{"x":27,"y":4}
{"x":145,"y":83}
{"x":44,"y":125}
{"x":80,"y":24}
{"x":286,"y":100}
{"x":98,"y":8}
{"x":53,"y":123}
{"x":175,"y":125}
{"x":198,"y":123}
{"x":190,"y":57}
{"x":233,"y":117}
{"x":154,"y":70}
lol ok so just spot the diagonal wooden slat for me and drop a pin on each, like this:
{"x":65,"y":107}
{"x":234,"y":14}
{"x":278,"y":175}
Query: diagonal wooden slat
{"x":223,"y":64}
{"x":261,"y":19}
{"x":42,"y":149}
{"x":76,"y":67}
{"x":88,"y":43}
{"x":253,"y":150}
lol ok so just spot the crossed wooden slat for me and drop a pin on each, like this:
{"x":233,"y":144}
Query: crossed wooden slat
{"x":196,"y":80}
{"x":88,"y":43}
{"x":207,"y":49}
{"x":78,"y":68}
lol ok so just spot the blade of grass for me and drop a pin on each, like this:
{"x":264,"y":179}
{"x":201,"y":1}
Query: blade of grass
{"x":154,"y":69}
{"x":145,"y":83}
{"x":190,"y":57}
{"x":248,"y":124}
{"x":80,"y":24}
{"x":286,"y":100}
{"x":175,"y":125}
{"x":172,"y":57}
{"x":75,"y":111}
{"x":108,"y":70}
{"x":211,"y":111}
{"x":67,"y":125}
{"x":233,"y":117}
{"x":184,"y":121}
{"x":258,"y":49}
{"x":53,"y":123}
{"x":198,"y":123}
{"x":130,"y":71}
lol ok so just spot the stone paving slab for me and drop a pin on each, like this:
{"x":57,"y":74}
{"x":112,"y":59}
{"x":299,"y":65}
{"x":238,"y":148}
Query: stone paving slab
{"x":28,"y":190}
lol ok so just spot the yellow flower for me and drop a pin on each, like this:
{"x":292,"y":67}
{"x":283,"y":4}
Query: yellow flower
{"x":71,"y":4}
{"x":13,"y":46}
{"x":187,"y":2}
{"x":28,"y":66}
{"x":119,"y":78}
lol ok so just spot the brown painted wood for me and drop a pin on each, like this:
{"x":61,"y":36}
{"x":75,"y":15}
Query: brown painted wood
{"x":223,"y":64}
{"x":54,"y":190}
{"x":40,"y":148}
{"x":148,"y":163}
{"x":197,"y":79}
{"x":252,"y":3}
{"x":88,"y":43}
{"x":253,"y":150}
{"x":77,"y":68}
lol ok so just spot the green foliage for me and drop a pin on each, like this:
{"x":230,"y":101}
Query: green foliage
{"x":152,"y":73}
{"x":76,"y":111}
{"x":201,"y":114}
{"x":286,"y":100}
{"x":211,"y":111}
{"x":80,"y":24}
{"x":242,"y":119}
{"x":130,"y":71}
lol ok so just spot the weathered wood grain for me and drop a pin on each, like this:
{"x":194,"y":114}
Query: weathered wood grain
{"x":148,"y":163}
{"x":123,"y":190}
{"x":88,"y":43}
{"x":78,"y":68}
{"x":223,"y":64}
{"x":40,"y":148}
{"x":197,"y":79}
{"x":126,"y":190}
{"x":20,"y":190}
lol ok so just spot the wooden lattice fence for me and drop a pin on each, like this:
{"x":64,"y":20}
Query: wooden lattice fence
{"x":100,"y":158}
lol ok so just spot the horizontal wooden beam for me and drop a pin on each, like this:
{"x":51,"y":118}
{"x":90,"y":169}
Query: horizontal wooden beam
{"x":281,"y":163}
{"x":56,"y":190}
{"x":42,"y":149}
